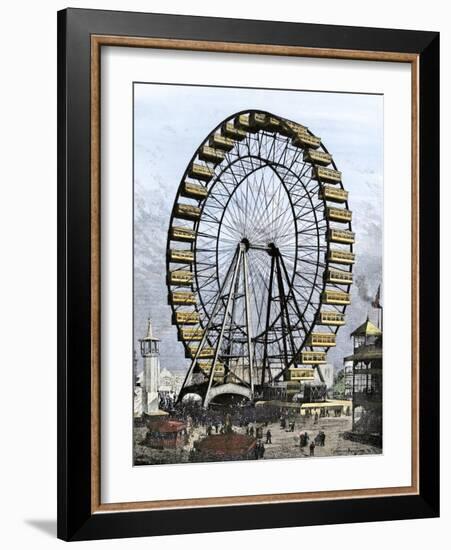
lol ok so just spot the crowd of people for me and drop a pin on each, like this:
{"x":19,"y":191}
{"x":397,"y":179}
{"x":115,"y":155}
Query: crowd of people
{"x":253,"y":421}
{"x":263,"y":435}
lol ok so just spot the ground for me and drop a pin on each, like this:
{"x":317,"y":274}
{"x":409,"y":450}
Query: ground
{"x":285,"y":444}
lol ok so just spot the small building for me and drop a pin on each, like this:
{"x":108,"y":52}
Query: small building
{"x":329,"y":407}
{"x":366,"y":383}
{"x":166,"y":434}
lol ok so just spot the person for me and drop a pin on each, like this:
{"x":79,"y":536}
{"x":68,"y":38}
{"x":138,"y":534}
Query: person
{"x":312,"y":448}
{"x":292,"y":427}
{"x":257,"y":450}
{"x":251,"y":431}
{"x":216,"y":427}
{"x":268,"y":437}
{"x":316,"y":418}
{"x":323,"y":439}
{"x":262,"y":450}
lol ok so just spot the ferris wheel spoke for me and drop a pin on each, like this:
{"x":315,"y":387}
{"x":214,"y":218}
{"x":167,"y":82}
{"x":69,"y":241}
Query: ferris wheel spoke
{"x":238,"y":209}
{"x":312,"y":263}
{"x":268,"y":204}
{"x":257,"y":195}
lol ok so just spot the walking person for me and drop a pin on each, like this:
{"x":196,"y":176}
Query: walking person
{"x":257,"y":450}
{"x":268,"y":437}
{"x":312,"y":448}
{"x":303,"y":439}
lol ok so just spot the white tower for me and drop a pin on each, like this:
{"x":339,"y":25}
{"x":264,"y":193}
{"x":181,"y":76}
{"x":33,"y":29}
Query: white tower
{"x":151,"y":354}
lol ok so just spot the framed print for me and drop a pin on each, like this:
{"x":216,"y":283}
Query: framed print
{"x":248,"y":274}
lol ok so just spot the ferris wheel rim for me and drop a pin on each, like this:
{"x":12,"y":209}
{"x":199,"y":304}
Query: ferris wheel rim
{"x":271,"y":165}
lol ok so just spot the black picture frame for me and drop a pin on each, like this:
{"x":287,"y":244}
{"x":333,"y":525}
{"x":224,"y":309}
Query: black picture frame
{"x":76,"y":520}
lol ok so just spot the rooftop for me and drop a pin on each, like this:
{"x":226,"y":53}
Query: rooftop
{"x":149,"y":335}
{"x":367,"y":329}
{"x":168,"y":426}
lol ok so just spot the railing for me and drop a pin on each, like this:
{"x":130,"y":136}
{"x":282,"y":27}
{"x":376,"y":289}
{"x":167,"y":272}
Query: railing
{"x":303,"y":139}
{"x":194,"y":190}
{"x":187,"y":317}
{"x":200,"y":172}
{"x":330,"y":193}
{"x":181,"y":277}
{"x":211,"y":154}
{"x":205,"y":352}
{"x":313,"y":357}
{"x":183,"y":298}
{"x":341,"y":256}
{"x":319,"y":157}
{"x":184,"y":256}
{"x":317,"y":339}
{"x":335,"y":276}
{"x":192,"y":333}
{"x":332,"y":318}
{"x":341,"y":236}
{"x":335,"y":297}
{"x":338,"y":214}
{"x":182,"y":234}
{"x":230,"y":131}
{"x":327,"y":174}
{"x":187,"y":211}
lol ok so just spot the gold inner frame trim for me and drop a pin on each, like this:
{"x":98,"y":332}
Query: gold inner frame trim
{"x":97,"y":41}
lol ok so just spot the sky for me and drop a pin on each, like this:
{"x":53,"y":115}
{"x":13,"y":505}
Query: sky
{"x":171,"y":121}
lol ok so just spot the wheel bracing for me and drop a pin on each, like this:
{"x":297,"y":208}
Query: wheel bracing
{"x":259,"y":256}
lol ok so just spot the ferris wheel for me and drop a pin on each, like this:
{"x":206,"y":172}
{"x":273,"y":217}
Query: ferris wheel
{"x":259,"y":256}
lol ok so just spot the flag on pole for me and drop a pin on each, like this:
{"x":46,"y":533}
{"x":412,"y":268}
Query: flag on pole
{"x":376,"y":303}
